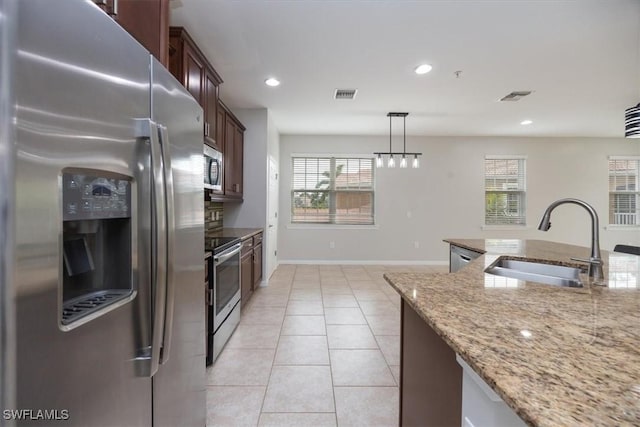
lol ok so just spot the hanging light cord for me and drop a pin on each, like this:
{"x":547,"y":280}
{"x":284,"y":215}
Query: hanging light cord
{"x":404,"y":137}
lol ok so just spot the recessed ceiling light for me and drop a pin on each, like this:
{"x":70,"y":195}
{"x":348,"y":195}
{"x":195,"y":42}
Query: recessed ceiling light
{"x":423,"y":69}
{"x":526,"y":122}
{"x":272,"y":82}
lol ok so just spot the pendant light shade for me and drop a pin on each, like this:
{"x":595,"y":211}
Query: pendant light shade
{"x":403,"y":160}
{"x":632,"y":122}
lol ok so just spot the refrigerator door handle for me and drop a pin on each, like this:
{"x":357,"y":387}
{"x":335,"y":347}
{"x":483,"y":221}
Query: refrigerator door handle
{"x":146,"y":128}
{"x":170,"y":284}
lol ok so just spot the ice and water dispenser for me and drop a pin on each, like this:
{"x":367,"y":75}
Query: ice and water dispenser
{"x":97,"y":247}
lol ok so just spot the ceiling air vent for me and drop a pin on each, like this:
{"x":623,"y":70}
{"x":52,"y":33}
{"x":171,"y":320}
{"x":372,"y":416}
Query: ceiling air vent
{"x":345,"y":93}
{"x":516,"y":95}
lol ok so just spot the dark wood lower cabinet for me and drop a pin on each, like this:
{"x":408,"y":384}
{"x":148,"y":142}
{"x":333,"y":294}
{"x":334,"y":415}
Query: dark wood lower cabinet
{"x":257,"y":265}
{"x":250,"y":266}
{"x":246,"y":272}
{"x":430,"y":377}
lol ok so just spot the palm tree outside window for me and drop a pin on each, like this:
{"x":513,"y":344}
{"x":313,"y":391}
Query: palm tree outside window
{"x":332,"y":190}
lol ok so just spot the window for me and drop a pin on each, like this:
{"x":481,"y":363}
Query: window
{"x":504,"y":186}
{"x":329,"y":190}
{"x":624,"y":192}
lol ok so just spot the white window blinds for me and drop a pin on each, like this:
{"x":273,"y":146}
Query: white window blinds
{"x":505,"y":191}
{"x":330,"y":190}
{"x":624,"y":194}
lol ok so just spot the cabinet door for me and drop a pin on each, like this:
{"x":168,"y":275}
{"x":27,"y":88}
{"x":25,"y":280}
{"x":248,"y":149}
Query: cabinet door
{"x":257,"y":265}
{"x":246,"y":277}
{"x":193,"y":74}
{"x":220,"y":127}
{"x":238,"y":159}
{"x":148,"y":22}
{"x":211,"y":111}
{"x":229,"y":156}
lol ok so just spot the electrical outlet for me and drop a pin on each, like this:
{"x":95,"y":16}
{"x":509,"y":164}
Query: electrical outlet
{"x":332,"y":244}
{"x":416,"y":244}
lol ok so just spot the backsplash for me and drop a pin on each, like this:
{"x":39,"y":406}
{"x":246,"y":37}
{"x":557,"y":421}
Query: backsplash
{"x":213,"y":212}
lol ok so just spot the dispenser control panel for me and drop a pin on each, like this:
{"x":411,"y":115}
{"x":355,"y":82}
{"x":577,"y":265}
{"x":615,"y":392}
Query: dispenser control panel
{"x":88,"y":196}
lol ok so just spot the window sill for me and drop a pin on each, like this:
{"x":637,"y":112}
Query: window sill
{"x":617,"y":227}
{"x":505,"y":227}
{"x":331,"y":227}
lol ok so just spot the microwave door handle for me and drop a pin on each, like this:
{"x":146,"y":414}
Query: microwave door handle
{"x":218,"y":166}
{"x":170,"y":236}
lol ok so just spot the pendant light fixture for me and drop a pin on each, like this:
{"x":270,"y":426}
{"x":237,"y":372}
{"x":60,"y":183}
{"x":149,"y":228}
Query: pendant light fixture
{"x":391,"y":163}
{"x":632,"y":122}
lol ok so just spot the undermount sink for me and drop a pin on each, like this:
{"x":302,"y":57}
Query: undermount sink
{"x":549,"y":274}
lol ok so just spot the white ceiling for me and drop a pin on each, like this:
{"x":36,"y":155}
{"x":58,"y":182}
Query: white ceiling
{"x":581,"y":58}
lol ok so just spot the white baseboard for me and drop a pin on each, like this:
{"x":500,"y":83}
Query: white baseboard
{"x":359,"y":262}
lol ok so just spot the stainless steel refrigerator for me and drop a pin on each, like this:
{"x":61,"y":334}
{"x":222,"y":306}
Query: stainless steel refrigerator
{"x":107,"y":267}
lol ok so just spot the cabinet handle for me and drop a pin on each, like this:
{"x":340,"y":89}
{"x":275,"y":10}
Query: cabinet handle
{"x":206,"y":129}
{"x":114,"y":11}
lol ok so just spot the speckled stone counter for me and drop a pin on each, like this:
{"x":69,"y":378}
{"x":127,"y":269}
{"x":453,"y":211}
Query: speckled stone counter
{"x":556,"y":356}
{"x":241,"y":233}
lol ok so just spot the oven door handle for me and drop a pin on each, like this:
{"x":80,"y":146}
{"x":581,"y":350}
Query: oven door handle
{"x":229,"y":253}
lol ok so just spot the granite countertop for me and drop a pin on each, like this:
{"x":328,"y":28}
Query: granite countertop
{"x":556,"y":356}
{"x":241,"y":233}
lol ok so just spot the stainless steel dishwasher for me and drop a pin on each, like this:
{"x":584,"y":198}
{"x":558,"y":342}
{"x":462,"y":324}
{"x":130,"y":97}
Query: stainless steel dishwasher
{"x":459,"y":257}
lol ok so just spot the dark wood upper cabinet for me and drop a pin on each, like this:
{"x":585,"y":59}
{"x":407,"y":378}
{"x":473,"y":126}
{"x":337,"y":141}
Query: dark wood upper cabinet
{"x":233,"y":154}
{"x":222,"y":130}
{"x":211,"y":114}
{"x":193,"y":74}
{"x":220,"y":120}
{"x":229,"y":154}
{"x":146,"y":20}
{"x":189,"y":65}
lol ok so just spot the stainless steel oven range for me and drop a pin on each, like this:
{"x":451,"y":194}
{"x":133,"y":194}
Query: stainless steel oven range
{"x":224,"y":299}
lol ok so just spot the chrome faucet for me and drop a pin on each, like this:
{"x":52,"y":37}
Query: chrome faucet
{"x":595,"y":260}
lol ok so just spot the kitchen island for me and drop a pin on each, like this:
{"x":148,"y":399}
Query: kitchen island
{"x":557,"y":356}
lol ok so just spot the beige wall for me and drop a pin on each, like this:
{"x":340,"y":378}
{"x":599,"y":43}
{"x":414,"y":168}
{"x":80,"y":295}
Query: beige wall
{"x":445,"y":197}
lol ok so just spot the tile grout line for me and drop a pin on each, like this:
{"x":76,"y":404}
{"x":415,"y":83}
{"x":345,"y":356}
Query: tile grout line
{"x":376,"y":339}
{"x":276,"y":351}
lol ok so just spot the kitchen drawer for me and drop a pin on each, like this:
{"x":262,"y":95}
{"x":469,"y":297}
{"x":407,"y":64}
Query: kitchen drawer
{"x":247,"y":246}
{"x":257,"y":239}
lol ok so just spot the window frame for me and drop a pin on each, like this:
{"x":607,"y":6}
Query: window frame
{"x":635,"y":194}
{"x":521,"y":192}
{"x":332,"y":192}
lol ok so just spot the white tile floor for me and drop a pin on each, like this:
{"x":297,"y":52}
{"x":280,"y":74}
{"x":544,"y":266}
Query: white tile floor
{"x":319,"y":346}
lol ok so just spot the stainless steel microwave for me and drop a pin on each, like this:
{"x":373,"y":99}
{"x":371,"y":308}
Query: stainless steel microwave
{"x":212,"y":169}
